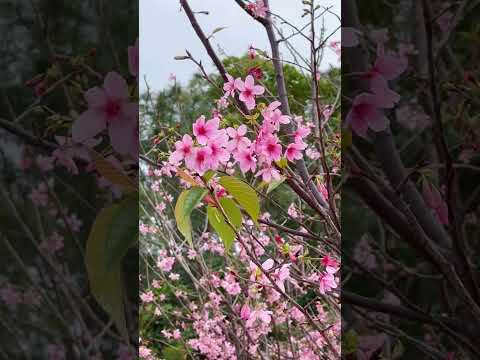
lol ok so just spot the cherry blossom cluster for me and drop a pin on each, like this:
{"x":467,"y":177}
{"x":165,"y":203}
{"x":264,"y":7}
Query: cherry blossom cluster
{"x":367,"y":111}
{"x":213,"y":146}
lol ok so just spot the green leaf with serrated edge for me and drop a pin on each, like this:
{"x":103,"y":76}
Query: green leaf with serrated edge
{"x":224,"y":231}
{"x":244,"y":194}
{"x":123,"y":231}
{"x":105,"y":281}
{"x":232,"y":211}
{"x":186,"y":202}
{"x":274,"y":184}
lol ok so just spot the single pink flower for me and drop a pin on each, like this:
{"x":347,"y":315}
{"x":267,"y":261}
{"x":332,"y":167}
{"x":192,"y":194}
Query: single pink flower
{"x":294,"y":151}
{"x":248,"y":91}
{"x":218,"y":153}
{"x":246,"y":159}
{"x":204,"y":130}
{"x":147,"y":297}
{"x":200,"y":160}
{"x":331,"y":265}
{"x":245,"y":312}
{"x":269,"y":173}
{"x":271,"y":149}
{"x":327,"y":283}
{"x":183,"y":150}
{"x":229,"y":86}
{"x":230,"y":285}
{"x":366,"y":112}
{"x":166,"y":264}
{"x":281,"y":275}
{"x":301,"y":133}
{"x":108,"y":106}
{"x":238,"y":138}
{"x":258,"y":8}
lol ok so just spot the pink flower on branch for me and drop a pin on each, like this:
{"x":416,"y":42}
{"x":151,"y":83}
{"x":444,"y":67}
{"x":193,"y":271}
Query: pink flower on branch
{"x":258,"y":9}
{"x":205,"y":130}
{"x":238,"y":138}
{"x":248,"y":91}
{"x":229,"y":86}
{"x":246,"y":159}
{"x":366,"y":112}
{"x":294,"y":151}
{"x":108,"y":107}
{"x":183,"y":150}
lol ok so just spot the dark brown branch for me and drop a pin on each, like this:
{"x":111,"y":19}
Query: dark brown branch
{"x":25,"y":135}
{"x":208,"y":47}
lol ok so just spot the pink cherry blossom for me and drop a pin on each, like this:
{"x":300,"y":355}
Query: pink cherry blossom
{"x":183,"y":150}
{"x":248,"y":91}
{"x":294,"y":151}
{"x":166,"y":264}
{"x":230,"y":285}
{"x":144,"y":352}
{"x":200,"y":160}
{"x":301,"y":133}
{"x":238,"y":138}
{"x":245,"y":312}
{"x":281,"y":275}
{"x":147,"y":297}
{"x":246,"y":159}
{"x":252,"y":53}
{"x":258,"y":8}
{"x":229,"y":86}
{"x":366,"y":112}
{"x":327,"y":283}
{"x":218,"y":152}
{"x":204,"y":130}
{"x":350,"y":36}
{"x":331,"y":265}
{"x":270,"y":148}
{"x":108,"y":107}
{"x":269,"y":173}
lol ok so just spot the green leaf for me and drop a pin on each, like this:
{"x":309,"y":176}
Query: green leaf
{"x":282,"y":163}
{"x":112,"y":173}
{"x":244,"y":194}
{"x":349,"y":342}
{"x":217,"y":30}
{"x":105,"y":281}
{"x":208,"y":175}
{"x":187,"y":201}
{"x":274,"y":184}
{"x":123,"y":230}
{"x":174,"y":353}
{"x":232,"y":211}
{"x":217,"y":221}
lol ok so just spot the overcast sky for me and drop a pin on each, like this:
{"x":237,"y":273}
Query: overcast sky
{"x":165,"y":33}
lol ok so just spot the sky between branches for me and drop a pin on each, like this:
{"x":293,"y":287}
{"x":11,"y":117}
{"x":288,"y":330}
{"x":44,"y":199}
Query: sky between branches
{"x":165,"y":33}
